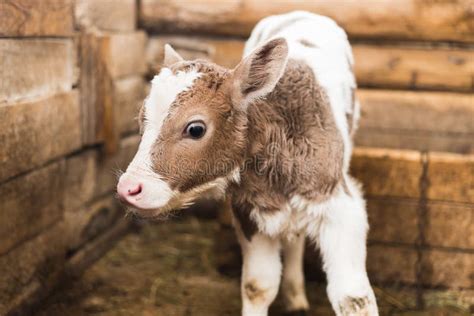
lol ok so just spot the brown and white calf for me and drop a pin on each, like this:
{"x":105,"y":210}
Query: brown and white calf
{"x":274,"y":136}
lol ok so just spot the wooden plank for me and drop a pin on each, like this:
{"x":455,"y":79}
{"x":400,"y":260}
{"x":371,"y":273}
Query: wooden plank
{"x":36,"y":18}
{"x":106,"y":58}
{"x":126,"y":54}
{"x":117,"y":15}
{"x":32,"y":133}
{"x":91,"y":175}
{"x":416,"y":120}
{"x":32,"y":271}
{"x":224,"y":52}
{"x":387,"y":172}
{"x":391,"y":264}
{"x":29,"y":270}
{"x":109,"y":167}
{"x":406,"y":139}
{"x":29,"y":204}
{"x":32,"y":68}
{"x":451,"y":177}
{"x":450,"y":225}
{"x":389,"y":66}
{"x":90,"y":221}
{"x":129,"y":94}
{"x":447,"y":269}
{"x":414,"y":67}
{"x":98,"y":116}
{"x":403,"y":19}
{"x":393,"y":220}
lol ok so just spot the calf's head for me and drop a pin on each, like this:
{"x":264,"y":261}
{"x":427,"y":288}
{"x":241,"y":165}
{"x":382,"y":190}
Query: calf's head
{"x":193,"y":126}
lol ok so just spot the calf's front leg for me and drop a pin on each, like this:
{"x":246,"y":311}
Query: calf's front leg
{"x":261,"y":273}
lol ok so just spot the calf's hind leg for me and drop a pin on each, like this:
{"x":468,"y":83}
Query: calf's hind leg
{"x":292,"y":287}
{"x":342,"y":240}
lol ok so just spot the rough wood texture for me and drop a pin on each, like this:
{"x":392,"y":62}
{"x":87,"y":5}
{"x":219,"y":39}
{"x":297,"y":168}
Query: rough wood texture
{"x":393,"y":219}
{"x":129,"y":94}
{"x":97,"y":112}
{"x":32,"y":133}
{"x":126,"y":54}
{"x":28,"y":270}
{"x":90,"y":221}
{"x":108,"y":15}
{"x":36,"y":18}
{"x":391,"y":264}
{"x":403,"y":19}
{"x":105,"y":58}
{"x":450,"y":225}
{"x":416,"y":120}
{"x":414,"y":67}
{"x":30,"y":204}
{"x":390,"y":66}
{"x":387,"y":173}
{"x":90,"y":175}
{"x":447,"y":268}
{"x":451,"y":177}
{"x":32,"y":68}
{"x":32,"y":271}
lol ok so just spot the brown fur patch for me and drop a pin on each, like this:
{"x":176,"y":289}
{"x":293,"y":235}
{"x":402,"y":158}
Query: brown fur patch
{"x":187,"y":163}
{"x":295,"y":146}
{"x":253,"y":292}
{"x":241,"y":210}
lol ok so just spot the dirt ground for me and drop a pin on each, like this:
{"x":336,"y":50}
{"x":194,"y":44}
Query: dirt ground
{"x":169,"y":269}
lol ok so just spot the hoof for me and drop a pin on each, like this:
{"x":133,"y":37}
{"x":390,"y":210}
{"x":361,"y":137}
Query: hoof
{"x":300,"y":312}
{"x":355,"y":306}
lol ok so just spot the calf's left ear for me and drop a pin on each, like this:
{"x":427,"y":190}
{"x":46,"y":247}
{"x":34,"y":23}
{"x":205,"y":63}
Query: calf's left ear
{"x":258,"y":73}
{"x":171,"y":56}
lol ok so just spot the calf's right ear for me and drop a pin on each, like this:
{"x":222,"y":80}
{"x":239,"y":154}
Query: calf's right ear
{"x":171,"y":56}
{"x":258,"y":73}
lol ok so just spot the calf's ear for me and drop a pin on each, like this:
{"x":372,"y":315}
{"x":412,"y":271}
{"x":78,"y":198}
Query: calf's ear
{"x":258,"y":73}
{"x":171,"y":56}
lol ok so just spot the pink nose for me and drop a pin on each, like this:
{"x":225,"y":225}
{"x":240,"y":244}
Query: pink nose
{"x":128,"y":190}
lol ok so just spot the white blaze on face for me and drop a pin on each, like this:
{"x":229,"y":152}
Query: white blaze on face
{"x":165,"y":87}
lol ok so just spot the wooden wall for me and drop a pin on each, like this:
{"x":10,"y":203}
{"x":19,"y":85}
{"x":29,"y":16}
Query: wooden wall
{"x":71,"y":78}
{"x":414,"y":63}
{"x":73,"y":73}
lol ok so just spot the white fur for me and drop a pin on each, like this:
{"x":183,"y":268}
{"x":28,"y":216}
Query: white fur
{"x":261,"y":272}
{"x":338,"y":225}
{"x":165,"y":87}
{"x":331,"y":59}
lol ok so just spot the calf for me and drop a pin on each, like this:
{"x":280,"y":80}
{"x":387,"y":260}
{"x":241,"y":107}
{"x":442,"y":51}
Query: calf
{"x":274,"y":136}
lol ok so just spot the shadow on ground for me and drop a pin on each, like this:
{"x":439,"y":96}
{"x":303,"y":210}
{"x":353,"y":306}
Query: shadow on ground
{"x":169,"y":270}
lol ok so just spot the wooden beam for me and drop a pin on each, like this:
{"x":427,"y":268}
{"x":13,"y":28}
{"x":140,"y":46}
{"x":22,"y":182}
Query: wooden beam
{"x":414,"y":67}
{"x":36,"y":18}
{"x":437,"y":121}
{"x":105,"y":58}
{"x":380,"y":66}
{"x":386,"y":19}
{"x":32,"y":133}
{"x":32,"y":68}
{"x":116,"y":15}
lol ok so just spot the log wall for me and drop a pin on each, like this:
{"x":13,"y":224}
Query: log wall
{"x":73,"y":73}
{"x":71,"y":79}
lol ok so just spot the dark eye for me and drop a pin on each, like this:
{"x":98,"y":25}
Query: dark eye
{"x":195,"y":130}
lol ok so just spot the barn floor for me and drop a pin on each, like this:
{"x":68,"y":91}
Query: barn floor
{"x":169,"y":269}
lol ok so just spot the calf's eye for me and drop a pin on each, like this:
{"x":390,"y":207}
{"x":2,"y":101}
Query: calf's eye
{"x":195,"y":130}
